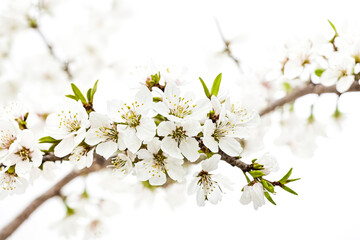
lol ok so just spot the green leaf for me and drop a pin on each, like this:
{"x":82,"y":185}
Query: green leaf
{"x":286,"y":177}
{"x":288,"y":190}
{"x":206,"y":90}
{"x":256,"y":173}
{"x":88,"y":94}
{"x":319,"y":72}
{"x":48,"y":139}
{"x":216,"y":85}
{"x":333,"y":27}
{"x":268,"y":197}
{"x":293,"y":180}
{"x":287,"y":86}
{"x":78,"y":93}
{"x":72,"y":97}
{"x":268,"y":186}
{"x":93,"y":91}
{"x":247,"y":178}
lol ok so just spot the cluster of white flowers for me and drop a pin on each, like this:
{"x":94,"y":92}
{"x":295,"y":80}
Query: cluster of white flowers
{"x":19,"y":153}
{"x":152,"y":139}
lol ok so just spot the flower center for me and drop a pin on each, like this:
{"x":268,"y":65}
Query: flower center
{"x":222,"y":130}
{"x":110,"y":133}
{"x":178,"y":134}
{"x":24,"y":153}
{"x":129,"y":114}
{"x":159,"y":161}
{"x":70,"y":121}
{"x":206,"y":183}
{"x":180,"y":107}
{"x":6,"y":139}
{"x":8,"y":182}
{"x":120,"y":163}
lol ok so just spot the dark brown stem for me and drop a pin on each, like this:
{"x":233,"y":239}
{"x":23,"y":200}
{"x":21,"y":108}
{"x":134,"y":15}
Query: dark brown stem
{"x":99,"y":163}
{"x":235,"y":162}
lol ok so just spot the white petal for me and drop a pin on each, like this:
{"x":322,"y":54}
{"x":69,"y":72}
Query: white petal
{"x":132,"y":142}
{"x":245,"y":197}
{"x":170,"y":146}
{"x":146,"y":129}
{"x":208,"y":140}
{"x":344,"y":83}
{"x":27,"y":139}
{"x":161,"y":108}
{"x":93,"y":136}
{"x":330,"y":77}
{"x":211,"y":163}
{"x":230,"y":146}
{"x":158,"y":179}
{"x":145,"y":154}
{"x":166,"y":128}
{"x":65,"y":147}
{"x":200,"y":197}
{"x":36,"y":157}
{"x":191,"y":127}
{"x":189,"y":148}
{"x":154,"y":146}
{"x":23,"y":167}
{"x":106,"y":149}
{"x":293,"y":68}
{"x":98,"y":120}
{"x":193,"y":185}
{"x":174,"y":169}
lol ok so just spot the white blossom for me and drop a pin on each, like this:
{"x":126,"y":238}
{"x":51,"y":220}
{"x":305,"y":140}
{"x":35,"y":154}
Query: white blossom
{"x":69,"y":125}
{"x":178,"y":108}
{"x":123,"y":163}
{"x":103,"y":133}
{"x":82,"y":157}
{"x":11,"y":183}
{"x":179,"y":138}
{"x":253,"y":193}
{"x":26,"y":153}
{"x":9,"y":136}
{"x":208,"y":187}
{"x":134,"y":124}
{"x":269,"y":163}
{"x":340,"y":72}
{"x":156,"y":164}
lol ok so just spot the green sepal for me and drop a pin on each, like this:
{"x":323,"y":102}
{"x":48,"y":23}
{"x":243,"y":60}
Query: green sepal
{"x":256,"y":173}
{"x":286,"y":177}
{"x":268,"y":197}
{"x":319,"y":72}
{"x":333,"y":27}
{"x":253,"y":161}
{"x":88,"y":94}
{"x":206,"y":90}
{"x":247,"y":178}
{"x":268,"y":186}
{"x":78,"y":93}
{"x":216,"y":85}
{"x":289,"y":190}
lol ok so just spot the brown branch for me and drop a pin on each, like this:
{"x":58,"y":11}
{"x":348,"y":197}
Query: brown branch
{"x":305,"y":90}
{"x":99,"y":163}
{"x":227,"y":49}
{"x":64,"y":64}
{"x":235,"y":162}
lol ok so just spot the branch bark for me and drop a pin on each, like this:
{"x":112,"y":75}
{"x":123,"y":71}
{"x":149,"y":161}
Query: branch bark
{"x":305,"y":90}
{"x":99,"y":163}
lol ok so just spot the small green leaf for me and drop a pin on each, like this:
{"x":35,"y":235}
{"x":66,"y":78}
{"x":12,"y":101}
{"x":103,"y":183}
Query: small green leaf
{"x":72,"y":97}
{"x":93,"y":91}
{"x":48,"y":139}
{"x":287,"y":87}
{"x":268,"y":197}
{"x":286,"y":177}
{"x":247,"y":178}
{"x":216,"y":85}
{"x":206,"y":90}
{"x":268,"y":186}
{"x":256,"y":173}
{"x":319,"y":72}
{"x":292,"y":180}
{"x":288,"y":190}
{"x":88,"y":94}
{"x":78,"y":93}
{"x":333,"y":27}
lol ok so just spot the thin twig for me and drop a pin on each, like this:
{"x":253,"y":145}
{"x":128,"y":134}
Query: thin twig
{"x":64,"y":64}
{"x":227,"y":49}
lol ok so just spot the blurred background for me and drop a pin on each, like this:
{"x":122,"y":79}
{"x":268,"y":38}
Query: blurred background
{"x":120,"y":42}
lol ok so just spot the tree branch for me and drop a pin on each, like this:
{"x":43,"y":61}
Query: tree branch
{"x":98,"y":164}
{"x":227,"y":49}
{"x":304,"y":90}
{"x":64,"y":64}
